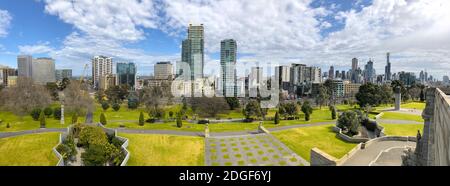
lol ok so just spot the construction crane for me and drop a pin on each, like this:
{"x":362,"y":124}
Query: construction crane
{"x":84,"y":72}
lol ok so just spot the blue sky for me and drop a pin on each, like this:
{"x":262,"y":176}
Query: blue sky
{"x":315,"y":32}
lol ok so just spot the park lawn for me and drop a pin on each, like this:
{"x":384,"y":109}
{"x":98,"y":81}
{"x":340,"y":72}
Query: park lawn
{"x":233,"y":127}
{"x":122,"y":114}
{"x":29,"y":150}
{"x":402,"y":129}
{"x":27,"y":123}
{"x":402,"y":116}
{"x":382,"y":107}
{"x":159,"y":126}
{"x":165,"y":150}
{"x":343,"y":107}
{"x":302,"y":140}
{"x":234,"y":114}
{"x":414,"y":105}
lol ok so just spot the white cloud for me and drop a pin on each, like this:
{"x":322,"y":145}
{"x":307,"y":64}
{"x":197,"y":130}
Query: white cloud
{"x":5,"y":20}
{"x":41,"y":48}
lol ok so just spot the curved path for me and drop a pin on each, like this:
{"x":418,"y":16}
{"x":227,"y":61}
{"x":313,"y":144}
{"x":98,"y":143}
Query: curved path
{"x":371,"y":155}
{"x":37,"y":131}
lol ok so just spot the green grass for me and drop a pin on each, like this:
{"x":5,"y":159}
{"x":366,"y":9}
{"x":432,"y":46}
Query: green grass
{"x":158,"y":126}
{"x":402,"y":129}
{"x":165,"y":150}
{"x":302,"y":140}
{"x":402,"y":116}
{"x":27,"y":123}
{"x":414,"y":105}
{"x":122,"y":114}
{"x":29,"y":150}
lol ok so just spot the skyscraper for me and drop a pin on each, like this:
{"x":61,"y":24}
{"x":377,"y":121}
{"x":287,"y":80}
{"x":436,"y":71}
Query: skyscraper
{"x":163,"y":70}
{"x":192,"y":50}
{"x":101,"y":65}
{"x":331,"y":73}
{"x":43,"y":70}
{"x":369,"y":72}
{"x":126,"y":74}
{"x":228,"y":50}
{"x":387,"y":69}
{"x":25,"y":65}
{"x":354,"y":64}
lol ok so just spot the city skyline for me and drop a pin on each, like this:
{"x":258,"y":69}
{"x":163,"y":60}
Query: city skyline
{"x":332,"y":37}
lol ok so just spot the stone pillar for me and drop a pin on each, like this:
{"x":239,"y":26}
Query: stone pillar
{"x":62,"y":114}
{"x":398,"y":100}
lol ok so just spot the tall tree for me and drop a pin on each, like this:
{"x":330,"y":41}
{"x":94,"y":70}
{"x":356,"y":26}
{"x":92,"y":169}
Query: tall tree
{"x":322,"y":96}
{"x":77,"y":99}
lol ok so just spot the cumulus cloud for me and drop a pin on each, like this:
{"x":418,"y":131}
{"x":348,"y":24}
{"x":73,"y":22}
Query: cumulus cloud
{"x":282,"y":31}
{"x":36,"y":49}
{"x":5,"y":20}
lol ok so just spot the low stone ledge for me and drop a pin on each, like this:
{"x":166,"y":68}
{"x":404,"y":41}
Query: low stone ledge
{"x":262,"y":129}
{"x":320,"y":158}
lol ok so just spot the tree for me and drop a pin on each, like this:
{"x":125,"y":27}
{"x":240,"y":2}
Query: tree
{"x":42,"y":119}
{"x":117,"y":94}
{"x":209,"y":107}
{"x":24,"y":97}
{"x":385,"y":94}
{"x":155,"y":98}
{"x":53,"y":89}
{"x":307,"y":110}
{"x":401,"y":87}
{"x":77,"y":99}
{"x":349,"y":122}
{"x":179,"y":121}
{"x":170,"y":114}
{"x":252,"y":110}
{"x":333,"y":112}
{"x":100,"y":95}
{"x":105,"y":105}
{"x":103,"y":119}
{"x":288,"y":110}
{"x":74,"y":118}
{"x":328,"y":84}
{"x":414,"y":92}
{"x":35,"y":113}
{"x":57,"y":113}
{"x":141,"y":119}
{"x":422,"y":95}
{"x":233,"y":102}
{"x":116,"y":106}
{"x":277,"y":118}
{"x":94,"y":156}
{"x":322,"y":96}
{"x":48,"y":111}
{"x":63,"y":84}
{"x":368,"y":94}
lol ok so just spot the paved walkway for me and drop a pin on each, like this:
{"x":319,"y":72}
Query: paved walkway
{"x":372,"y":153}
{"x":404,"y":111}
{"x":36,"y":131}
{"x":169,"y":132}
{"x":249,"y":150}
{"x":395,"y":121}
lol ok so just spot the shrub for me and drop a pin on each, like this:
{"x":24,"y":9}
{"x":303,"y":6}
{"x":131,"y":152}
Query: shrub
{"x":248,"y":120}
{"x":141,"y":119}
{"x":370,"y":125}
{"x":95,"y":155}
{"x":103,"y":119}
{"x":90,"y":135}
{"x":179,"y":121}
{"x":349,"y":122}
{"x":203,"y":121}
{"x":115,"y":106}
{"x":57,"y":113}
{"x":42,"y":119}
{"x":132,"y":104}
{"x":150,"y":120}
{"x":277,"y":118}
{"x":35,"y":113}
{"x":116,"y":142}
{"x":48,"y":111}
{"x":8,"y":126}
{"x":170,"y":114}
{"x":333,"y":112}
{"x":105,"y":106}
{"x":307,"y":110}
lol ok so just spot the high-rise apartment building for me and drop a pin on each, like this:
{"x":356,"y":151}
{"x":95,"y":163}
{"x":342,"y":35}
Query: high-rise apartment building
{"x":354,"y":64}
{"x":43,"y":70}
{"x":228,"y":50}
{"x":101,"y":66}
{"x":163,"y":70}
{"x":192,"y":51}
{"x":331,"y":73}
{"x":25,"y":66}
{"x":6,"y":74}
{"x":369,"y":72}
{"x":126,"y":74}
{"x":283,"y":73}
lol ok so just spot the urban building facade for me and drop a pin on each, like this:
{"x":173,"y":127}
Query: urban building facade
{"x":60,"y":74}
{"x":192,"y":51}
{"x":25,"y":66}
{"x":163,"y":70}
{"x":101,"y":66}
{"x":228,"y":50}
{"x":43,"y":70}
{"x":126,"y":75}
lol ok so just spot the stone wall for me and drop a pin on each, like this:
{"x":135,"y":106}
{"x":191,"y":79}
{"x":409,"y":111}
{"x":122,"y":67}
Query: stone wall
{"x":348,"y":138}
{"x":320,"y":158}
{"x":433,"y":147}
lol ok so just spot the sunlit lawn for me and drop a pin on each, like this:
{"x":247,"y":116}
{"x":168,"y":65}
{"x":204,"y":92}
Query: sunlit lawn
{"x":165,"y":150}
{"x":414,"y":105}
{"x":158,"y":126}
{"x":302,"y":140}
{"x":402,"y":129}
{"x":402,"y":116}
{"x":29,"y":150}
{"x":27,"y":123}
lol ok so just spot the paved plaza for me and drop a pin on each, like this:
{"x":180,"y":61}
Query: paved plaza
{"x":250,"y":150}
